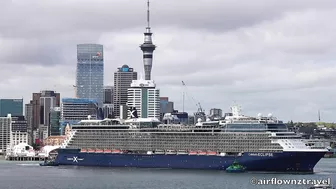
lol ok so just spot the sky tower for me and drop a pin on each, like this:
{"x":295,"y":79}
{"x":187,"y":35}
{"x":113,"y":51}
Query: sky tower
{"x":147,"y":48}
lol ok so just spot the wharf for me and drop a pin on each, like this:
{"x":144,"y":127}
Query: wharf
{"x":25,"y":158}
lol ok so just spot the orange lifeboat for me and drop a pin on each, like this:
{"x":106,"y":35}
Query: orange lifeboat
{"x":192,"y":153}
{"x":90,"y":150}
{"x":211,"y":153}
{"x":107,"y":151}
{"x":83,"y":150}
{"x":201,"y":153}
{"x":99,"y":151}
{"x":116,"y":151}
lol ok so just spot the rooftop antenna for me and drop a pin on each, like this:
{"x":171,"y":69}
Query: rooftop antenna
{"x":148,"y":25}
{"x":319,"y":116}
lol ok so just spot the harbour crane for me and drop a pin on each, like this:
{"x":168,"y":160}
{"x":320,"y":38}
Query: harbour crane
{"x":198,"y":104}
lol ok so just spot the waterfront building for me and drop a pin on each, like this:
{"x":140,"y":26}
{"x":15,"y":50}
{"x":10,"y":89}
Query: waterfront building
{"x":55,"y":116}
{"x":19,"y":130}
{"x":90,"y":72}
{"x":5,"y":133}
{"x":123,"y":78}
{"x":143,"y":96}
{"x":11,"y":106}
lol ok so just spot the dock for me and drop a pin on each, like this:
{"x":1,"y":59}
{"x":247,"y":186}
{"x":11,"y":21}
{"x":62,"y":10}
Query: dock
{"x":25,"y":158}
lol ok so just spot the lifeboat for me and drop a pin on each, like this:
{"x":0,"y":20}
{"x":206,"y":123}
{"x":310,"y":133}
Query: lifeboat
{"x":83,"y":150}
{"x":170,"y":152}
{"x":90,"y":150}
{"x":116,"y":151}
{"x":107,"y":151}
{"x":201,"y":153}
{"x":192,"y":153}
{"x":211,"y":153}
{"x":99,"y":151}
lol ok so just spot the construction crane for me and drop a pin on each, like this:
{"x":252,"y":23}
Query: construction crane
{"x":198,"y":104}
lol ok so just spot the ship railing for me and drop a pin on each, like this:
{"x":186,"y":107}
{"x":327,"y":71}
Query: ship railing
{"x":68,"y":139}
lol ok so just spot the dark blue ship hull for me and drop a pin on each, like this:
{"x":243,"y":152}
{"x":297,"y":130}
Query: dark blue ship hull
{"x":271,"y":162}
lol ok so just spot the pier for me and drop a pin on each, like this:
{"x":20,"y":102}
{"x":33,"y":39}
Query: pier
{"x":25,"y":158}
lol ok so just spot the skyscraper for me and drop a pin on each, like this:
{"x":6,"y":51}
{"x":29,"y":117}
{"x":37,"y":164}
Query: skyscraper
{"x":143,"y":96}
{"x":108,"y":95}
{"x":122,"y":81}
{"x":147,"y":48}
{"x":90,"y":72}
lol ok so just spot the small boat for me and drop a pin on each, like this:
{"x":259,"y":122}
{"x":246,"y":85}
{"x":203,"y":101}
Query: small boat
{"x":235,"y":168}
{"x":321,"y":186}
{"x":49,"y":163}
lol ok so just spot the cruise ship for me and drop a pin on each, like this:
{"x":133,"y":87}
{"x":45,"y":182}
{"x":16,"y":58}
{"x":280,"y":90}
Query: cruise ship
{"x":258,"y":143}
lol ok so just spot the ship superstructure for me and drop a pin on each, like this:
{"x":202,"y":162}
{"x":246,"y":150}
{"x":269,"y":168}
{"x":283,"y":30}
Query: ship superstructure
{"x":260,"y":143}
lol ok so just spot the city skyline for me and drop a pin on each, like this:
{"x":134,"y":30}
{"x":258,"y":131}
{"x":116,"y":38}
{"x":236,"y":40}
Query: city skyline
{"x":269,"y":56}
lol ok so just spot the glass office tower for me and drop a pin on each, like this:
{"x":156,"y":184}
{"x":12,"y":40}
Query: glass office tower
{"x":90,"y":72}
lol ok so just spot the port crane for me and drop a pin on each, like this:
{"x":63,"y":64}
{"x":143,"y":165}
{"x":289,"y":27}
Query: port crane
{"x":198,"y":104}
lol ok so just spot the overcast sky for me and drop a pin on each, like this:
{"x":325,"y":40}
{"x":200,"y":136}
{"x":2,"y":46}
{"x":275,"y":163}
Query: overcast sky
{"x":270,"y":56}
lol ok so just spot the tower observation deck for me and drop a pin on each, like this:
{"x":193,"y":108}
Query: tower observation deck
{"x":147,"y":48}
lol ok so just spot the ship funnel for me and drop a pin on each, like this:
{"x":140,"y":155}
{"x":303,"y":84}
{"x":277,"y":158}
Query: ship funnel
{"x":133,"y":112}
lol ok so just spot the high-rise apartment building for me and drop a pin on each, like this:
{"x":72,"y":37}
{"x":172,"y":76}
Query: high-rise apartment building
{"x":122,"y":81}
{"x":5,"y":134}
{"x":90,"y":72}
{"x":11,"y":106}
{"x":145,"y":98}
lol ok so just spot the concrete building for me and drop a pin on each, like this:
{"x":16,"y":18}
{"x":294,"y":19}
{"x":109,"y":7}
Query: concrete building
{"x":29,"y":119}
{"x":19,"y":130}
{"x":11,"y":106}
{"x":108,"y":95}
{"x":165,"y":106}
{"x":145,"y":98}
{"x":77,"y":109}
{"x":54,"y":126}
{"x":5,"y":133}
{"x":40,"y":112}
{"x":90,"y":72}
{"x":216,"y":113}
{"x":108,"y":102}
{"x":108,"y":110}
{"x":123,"y":78}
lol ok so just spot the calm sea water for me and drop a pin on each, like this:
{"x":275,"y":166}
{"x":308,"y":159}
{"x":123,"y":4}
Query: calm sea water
{"x":29,"y":175}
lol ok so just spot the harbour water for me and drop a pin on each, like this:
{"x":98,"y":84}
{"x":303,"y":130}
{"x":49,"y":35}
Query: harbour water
{"x":29,"y":175}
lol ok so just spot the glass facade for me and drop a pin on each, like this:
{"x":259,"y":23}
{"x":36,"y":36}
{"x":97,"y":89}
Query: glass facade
{"x":55,"y":116}
{"x":90,"y":72}
{"x":144,"y":103}
{"x":11,"y":106}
